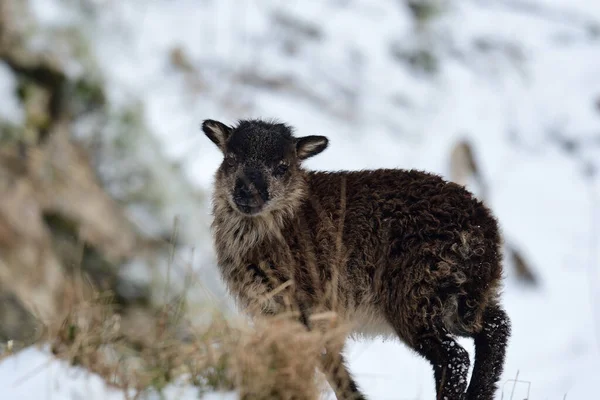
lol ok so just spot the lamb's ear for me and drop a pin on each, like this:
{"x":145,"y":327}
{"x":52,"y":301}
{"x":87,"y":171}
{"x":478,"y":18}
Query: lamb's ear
{"x":309,"y":146}
{"x":216,"y":131}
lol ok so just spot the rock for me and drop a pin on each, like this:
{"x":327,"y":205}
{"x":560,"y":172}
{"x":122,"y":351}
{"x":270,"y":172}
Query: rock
{"x":84,"y":186}
{"x":67,"y":185}
{"x":29,"y":269}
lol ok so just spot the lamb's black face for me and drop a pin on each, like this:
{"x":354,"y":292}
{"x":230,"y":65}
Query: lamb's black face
{"x":260,"y":164}
{"x":259,"y":159}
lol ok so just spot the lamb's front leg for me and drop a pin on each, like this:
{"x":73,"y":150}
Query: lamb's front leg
{"x":333,"y":365}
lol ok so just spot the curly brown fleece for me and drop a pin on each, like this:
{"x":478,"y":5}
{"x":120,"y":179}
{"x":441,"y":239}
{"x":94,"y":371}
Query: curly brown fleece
{"x":391,"y":251}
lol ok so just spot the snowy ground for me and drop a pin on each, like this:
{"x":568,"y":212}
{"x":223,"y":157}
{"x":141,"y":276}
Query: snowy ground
{"x":517,"y":77}
{"x":35,"y":374}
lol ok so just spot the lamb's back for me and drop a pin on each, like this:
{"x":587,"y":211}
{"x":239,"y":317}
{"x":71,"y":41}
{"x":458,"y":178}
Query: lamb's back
{"x":398,"y":208}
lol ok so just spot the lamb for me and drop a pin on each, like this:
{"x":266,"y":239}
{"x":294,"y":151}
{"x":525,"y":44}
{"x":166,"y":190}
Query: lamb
{"x":391,"y":251}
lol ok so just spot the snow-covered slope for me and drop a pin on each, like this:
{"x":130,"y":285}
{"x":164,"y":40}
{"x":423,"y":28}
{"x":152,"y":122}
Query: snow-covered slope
{"x":519,"y":78}
{"x":10,"y":110}
{"x":35,"y":374}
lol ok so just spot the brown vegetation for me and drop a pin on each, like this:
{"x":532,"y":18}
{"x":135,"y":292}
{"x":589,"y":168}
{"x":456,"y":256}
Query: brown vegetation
{"x":273,"y":359}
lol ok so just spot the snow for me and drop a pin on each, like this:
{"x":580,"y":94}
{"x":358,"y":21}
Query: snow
{"x":536,"y":81}
{"x":34,"y":373}
{"x":10,"y":110}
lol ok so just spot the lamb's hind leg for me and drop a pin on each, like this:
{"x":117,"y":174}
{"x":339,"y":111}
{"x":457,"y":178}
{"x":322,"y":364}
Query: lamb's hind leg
{"x":490,"y":352}
{"x":450,"y":363}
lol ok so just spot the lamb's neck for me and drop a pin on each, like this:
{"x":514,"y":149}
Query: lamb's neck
{"x":236,"y":235}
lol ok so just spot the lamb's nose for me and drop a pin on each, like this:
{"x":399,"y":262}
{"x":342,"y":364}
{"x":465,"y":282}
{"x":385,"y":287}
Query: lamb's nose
{"x":245,"y":194}
{"x":243,"y":191}
{"x":255,"y":180}
{"x":246,"y":198}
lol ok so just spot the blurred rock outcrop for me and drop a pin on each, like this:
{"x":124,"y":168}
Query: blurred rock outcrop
{"x":60,"y":216}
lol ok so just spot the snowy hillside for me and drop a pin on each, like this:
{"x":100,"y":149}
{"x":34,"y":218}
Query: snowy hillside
{"x":390,"y":88}
{"x":35,"y":374}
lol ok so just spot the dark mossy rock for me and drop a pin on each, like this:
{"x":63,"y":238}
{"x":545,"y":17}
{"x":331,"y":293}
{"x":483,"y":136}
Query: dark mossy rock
{"x":422,"y":60}
{"x":78,"y":256}
{"x":18,"y":324}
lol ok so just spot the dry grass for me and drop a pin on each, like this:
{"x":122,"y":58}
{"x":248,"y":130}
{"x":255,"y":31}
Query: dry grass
{"x":274,"y":358}
{"x":277,"y":360}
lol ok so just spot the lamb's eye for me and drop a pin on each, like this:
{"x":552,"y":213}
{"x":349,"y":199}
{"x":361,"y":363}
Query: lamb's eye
{"x":230,"y":162}
{"x":281,"y":169}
